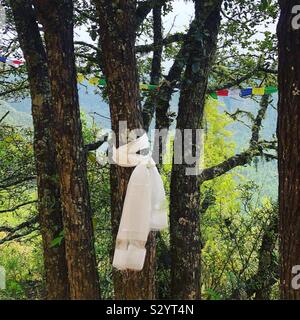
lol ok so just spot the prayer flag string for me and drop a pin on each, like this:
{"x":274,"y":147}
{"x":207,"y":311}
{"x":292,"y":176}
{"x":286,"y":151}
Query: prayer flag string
{"x":12,"y":62}
{"x":96,"y":81}
{"x":247,"y":92}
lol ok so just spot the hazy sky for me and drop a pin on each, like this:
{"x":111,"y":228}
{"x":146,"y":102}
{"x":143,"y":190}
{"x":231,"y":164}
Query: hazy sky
{"x":182,"y":13}
{"x":177,"y":20}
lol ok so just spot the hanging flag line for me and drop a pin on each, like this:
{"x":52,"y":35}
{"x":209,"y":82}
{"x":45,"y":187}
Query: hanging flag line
{"x":12,"y":62}
{"x":260,"y":91}
{"x":95,"y":81}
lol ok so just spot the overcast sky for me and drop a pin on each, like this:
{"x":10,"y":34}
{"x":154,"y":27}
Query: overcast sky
{"x":177,"y":20}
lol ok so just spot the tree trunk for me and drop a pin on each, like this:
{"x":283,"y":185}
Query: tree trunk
{"x":117,"y":33}
{"x":288,"y":132}
{"x":49,"y":205}
{"x":265,"y":277}
{"x":185,"y":189}
{"x":155,"y":74}
{"x":57,"y":19}
{"x":259,"y":286}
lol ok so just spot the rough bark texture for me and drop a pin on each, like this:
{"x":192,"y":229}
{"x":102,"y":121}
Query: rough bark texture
{"x":117,"y":32}
{"x":289,"y":147}
{"x":185,"y":190}
{"x":163,"y":120}
{"x":57,"y":19}
{"x":49,"y":205}
{"x":155,"y":74}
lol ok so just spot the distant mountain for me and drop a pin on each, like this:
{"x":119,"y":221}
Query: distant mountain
{"x":90,"y":102}
{"x":264,"y":173}
{"x":14,"y":117}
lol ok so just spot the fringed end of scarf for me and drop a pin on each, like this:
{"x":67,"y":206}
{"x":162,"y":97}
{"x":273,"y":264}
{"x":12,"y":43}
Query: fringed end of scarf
{"x":133,"y":258}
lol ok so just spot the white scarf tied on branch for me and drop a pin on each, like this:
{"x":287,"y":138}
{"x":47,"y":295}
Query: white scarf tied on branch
{"x":144,"y":208}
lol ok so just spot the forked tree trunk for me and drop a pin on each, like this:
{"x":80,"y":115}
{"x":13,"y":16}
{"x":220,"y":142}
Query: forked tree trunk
{"x":49,"y":205}
{"x":117,"y":33}
{"x":288,"y":131}
{"x":57,"y":19}
{"x":185,"y":189}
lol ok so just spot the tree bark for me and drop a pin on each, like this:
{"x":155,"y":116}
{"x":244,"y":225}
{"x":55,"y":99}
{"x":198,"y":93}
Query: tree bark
{"x":57,"y":19}
{"x":49,"y":204}
{"x":155,"y":74}
{"x":185,"y":189}
{"x":117,"y":32}
{"x":289,"y":147}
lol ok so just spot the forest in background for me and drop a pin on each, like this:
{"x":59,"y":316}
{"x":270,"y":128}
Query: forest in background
{"x":228,"y":247}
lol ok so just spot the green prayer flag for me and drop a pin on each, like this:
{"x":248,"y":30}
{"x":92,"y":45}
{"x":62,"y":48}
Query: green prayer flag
{"x":152,"y":86}
{"x":102,"y":82}
{"x":214,"y":95}
{"x":271,"y":89}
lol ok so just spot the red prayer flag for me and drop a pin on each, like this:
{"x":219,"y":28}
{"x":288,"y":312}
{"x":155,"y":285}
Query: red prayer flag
{"x":18,"y":62}
{"x":222,"y":93}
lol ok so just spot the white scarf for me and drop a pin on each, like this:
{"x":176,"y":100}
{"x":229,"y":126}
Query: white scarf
{"x":144,"y":206}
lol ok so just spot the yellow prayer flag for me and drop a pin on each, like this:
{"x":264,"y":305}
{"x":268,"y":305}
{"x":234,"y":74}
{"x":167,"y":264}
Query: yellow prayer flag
{"x":80,"y":77}
{"x":143,"y":86}
{"x":94,"y":81}
{"x":258,"y":91}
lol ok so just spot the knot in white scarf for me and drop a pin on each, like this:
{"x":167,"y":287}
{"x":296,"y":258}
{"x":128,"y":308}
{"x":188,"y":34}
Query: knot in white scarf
{"x":144,"y":206}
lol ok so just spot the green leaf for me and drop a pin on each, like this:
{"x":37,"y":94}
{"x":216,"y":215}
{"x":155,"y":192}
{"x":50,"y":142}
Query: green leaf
{"x":56,"y":242}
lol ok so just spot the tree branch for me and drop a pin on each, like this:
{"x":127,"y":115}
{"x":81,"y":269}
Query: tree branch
{"x":255,"y":149}
{"x":89,"y":45}
{"x":18,"y":206}
{"x":233,"y":83}
{"x":17,"y":236}
{"x":144,"y":8}
{"x":5,"y":115}
{"x":21,"y":226}
{"x":267,"y":70}
{"x":146,"y":48}
{"x":96,"y":145}
{"x":11,"y":184}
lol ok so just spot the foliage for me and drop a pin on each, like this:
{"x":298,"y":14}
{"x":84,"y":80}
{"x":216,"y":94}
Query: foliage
{"x":234,"y":215}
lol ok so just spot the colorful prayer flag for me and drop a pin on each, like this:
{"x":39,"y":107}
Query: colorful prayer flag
{"x":234,"y":93}
{"x":270,"y":89}
{"x":12,"y":62}
{"x":213,"y":95}
{"x":258,"y":91}
{"x":222,"y":93}
{"x":246,"y":92}
{"x":152,"y":86}
{"x":94,"y":81}
{"x":80,"y":77}
{"x":102,"y":82}
{"x":143,"y":86}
